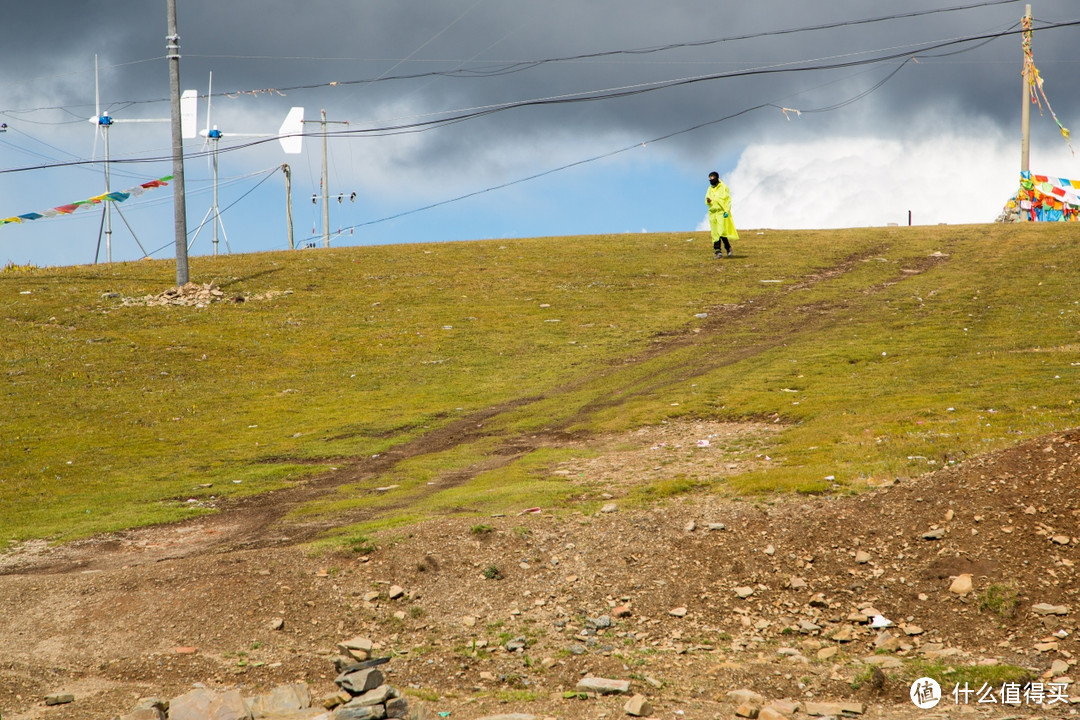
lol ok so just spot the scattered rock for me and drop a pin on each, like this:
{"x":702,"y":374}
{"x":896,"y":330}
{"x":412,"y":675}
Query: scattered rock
{"x":935,"y":534}
{"x":603,"y":686}
{"x":1048,"y":609}
{"x":862,"y":557}
{"x":638,"y":706}
{"x":744,"y":591}
{"x":744,"y":696}
{"x":609,"y":508}
{"x":277,"y":624}
{"x":59,"y":699}
{"x":361,"y":681}
{"x":396,"y":592}
{"x":677,"y":612}
{"x":961,"y":584}
{"x":747,"y":710}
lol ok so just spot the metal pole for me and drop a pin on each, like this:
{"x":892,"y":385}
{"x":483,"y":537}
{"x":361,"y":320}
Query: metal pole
{"x":325,"y":189}
{"x":288,"y":201}
{"x":172,"y":51}
{"x":107,"y":209}
{"x":217,"y":214}
{"x":1025,"y":112}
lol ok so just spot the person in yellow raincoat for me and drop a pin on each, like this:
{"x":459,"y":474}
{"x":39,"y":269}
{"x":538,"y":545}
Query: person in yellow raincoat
{"x":718,"y":198}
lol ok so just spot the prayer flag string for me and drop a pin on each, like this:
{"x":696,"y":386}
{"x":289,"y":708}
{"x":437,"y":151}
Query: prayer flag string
{"x":115,"y":196}
{"x":1035,"y":82}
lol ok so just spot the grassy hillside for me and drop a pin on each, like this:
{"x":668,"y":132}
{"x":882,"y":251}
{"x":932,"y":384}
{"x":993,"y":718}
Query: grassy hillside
{"x":881,"y":352}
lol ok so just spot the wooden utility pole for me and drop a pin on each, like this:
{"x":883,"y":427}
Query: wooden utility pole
{"x":325,"y":179}
{"x":288,"y":201}
{"x":172,"y":52}
{"x":1025,"y":112}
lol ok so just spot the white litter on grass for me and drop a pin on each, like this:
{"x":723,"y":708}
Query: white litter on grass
{"x":701,"y":315}
{"x":703,"y":443}
{"x":772,"y":281}
{"x":880,"y":621}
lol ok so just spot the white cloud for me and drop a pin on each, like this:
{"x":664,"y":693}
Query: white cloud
{"x":949,"y":177}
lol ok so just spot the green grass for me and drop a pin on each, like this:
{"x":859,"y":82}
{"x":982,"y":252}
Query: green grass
{"x":876,"y":359}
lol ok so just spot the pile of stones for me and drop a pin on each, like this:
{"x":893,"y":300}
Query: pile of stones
{"x":362,"y":695}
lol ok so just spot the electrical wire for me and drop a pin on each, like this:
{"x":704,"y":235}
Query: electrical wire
{"x":517,"y":66}
{"x":586,"y":96}
{"x":620,"y":151}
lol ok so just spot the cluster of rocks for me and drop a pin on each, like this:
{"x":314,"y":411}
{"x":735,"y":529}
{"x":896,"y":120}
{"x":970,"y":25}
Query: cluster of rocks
{"x":192,"y":294}
{"x":750,"y":704}
{"x":362,"y":694}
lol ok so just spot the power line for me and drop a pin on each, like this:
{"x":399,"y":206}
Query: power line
{"x":597,"y":95}
{"x":510,"y":67}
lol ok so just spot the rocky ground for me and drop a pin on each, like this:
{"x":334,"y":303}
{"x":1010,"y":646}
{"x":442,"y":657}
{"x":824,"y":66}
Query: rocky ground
{"x":968,"y":568}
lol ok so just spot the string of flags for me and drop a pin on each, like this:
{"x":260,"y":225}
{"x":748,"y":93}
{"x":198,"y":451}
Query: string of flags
{"x":1035,"y":83}
{"x":115,"y":196}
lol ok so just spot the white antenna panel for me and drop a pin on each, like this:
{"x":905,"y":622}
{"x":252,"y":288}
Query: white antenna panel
{"x":290,"y":135}
{"x":189,"y":110}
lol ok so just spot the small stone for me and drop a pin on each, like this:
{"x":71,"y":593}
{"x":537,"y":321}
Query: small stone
{"x":609,"y":508}
{"x":371,"y":596}
{"x":376,"y":696}
{"x":743,"y":696}
{"x":1058,"y":668}
{"x":770,"y":713}
{"x":332,"y":700}
{"x":185,"y":650}
{"x":935,"y":534}
{"x":603,"y":686}
{"x":1061,"y":539}
{"x":690,"y":526}
{"x":468,"y":621}
{"x":361,"y":681}
{"x":638,"y":706}
{"x":744,"y":591}
{"x":1046,"y":646}
{"x":396,"y":591}
{"x":59,"y":699}
{"x":912,"y":630}
{"x":844,"y":634}
{"x":677,"y":612}
{"x":622,"y":611}
{"x":826,"y":653}
{"x":961,"y":585}
{"x":797,"y":583}
{"x":770,"y":550}
{"x":397,"y":708}
{"x":862,"y":557}
{"x":747,"y":710}
{"x":949,"y":515}
{"x":825,"y":709}
{"x":1048,"y":609}
{"x":716,"y":527}
{"x":277,"y":624}
{"x":518,"y":643}
{"x":358,"y":648}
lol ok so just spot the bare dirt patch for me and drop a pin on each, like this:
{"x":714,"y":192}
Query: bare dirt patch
{"x":103,"y":619}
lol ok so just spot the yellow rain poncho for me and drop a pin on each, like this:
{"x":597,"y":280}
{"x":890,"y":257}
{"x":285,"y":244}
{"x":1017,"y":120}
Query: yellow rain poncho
{"x":718,"y":198}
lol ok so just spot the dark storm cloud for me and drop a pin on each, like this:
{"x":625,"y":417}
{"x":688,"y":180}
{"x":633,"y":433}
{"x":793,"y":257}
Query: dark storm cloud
{"x":260,"y":44}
